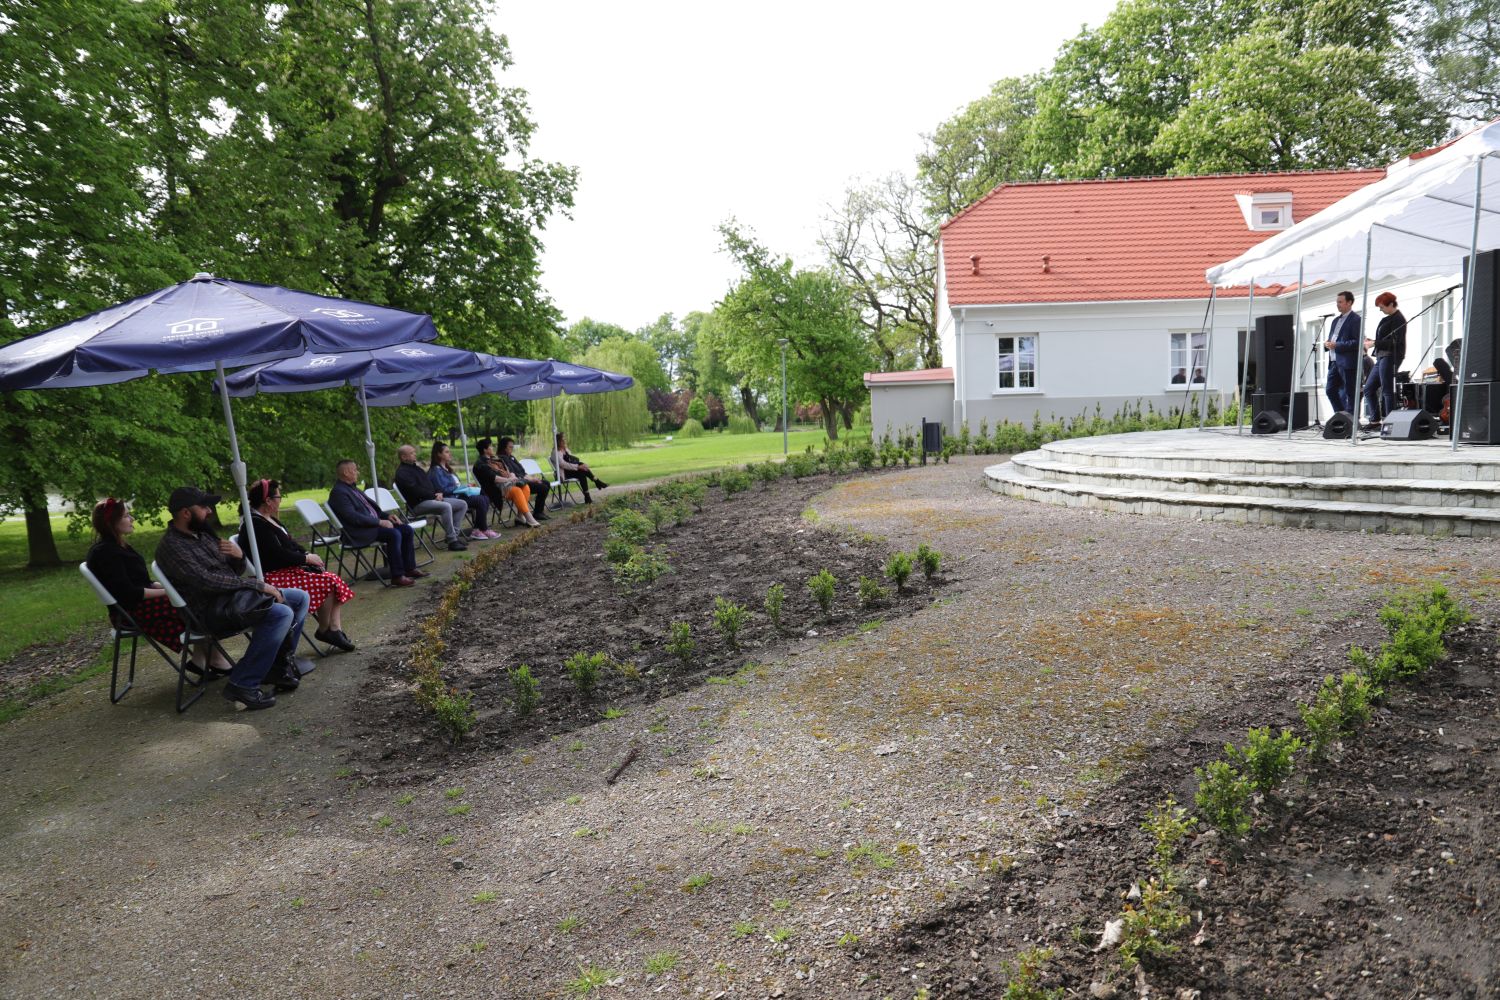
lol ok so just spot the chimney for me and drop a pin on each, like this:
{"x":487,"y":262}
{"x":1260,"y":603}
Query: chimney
{"x":1046,"y":263}
{"x":973,"y":263}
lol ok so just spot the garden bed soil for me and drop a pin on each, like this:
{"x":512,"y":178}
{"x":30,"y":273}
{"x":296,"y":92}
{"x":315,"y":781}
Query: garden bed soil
{"x":558,"y":597}
{"x":1378,"y":878}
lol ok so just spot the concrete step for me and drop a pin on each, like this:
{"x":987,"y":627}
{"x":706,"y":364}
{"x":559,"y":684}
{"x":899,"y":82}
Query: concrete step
{"x":1017,"y":480}
{"x":1042,"y":465}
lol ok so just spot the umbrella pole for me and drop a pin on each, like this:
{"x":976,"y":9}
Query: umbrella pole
{"x":552,"y":441}
{"x":1359,"y":347}
{"x":462,"y":434}
{"x":1208,"y":360}
{"x":1239,"y":409}
{"x":1291,"y":399}
{"x":1456,"y":412}
{"x":364,"y":409}
{"x":237,"y":470}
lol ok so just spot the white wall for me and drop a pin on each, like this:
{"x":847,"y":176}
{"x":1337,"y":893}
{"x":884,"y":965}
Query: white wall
{"x":906,"y":405}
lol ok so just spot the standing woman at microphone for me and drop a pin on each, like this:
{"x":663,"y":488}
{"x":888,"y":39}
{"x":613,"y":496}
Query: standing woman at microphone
{"x":1390,"y":349}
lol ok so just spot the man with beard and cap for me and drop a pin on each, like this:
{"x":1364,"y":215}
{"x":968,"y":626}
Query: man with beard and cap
{"x":203,"y":567}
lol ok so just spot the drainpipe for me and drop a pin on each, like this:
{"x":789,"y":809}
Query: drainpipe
{"x":960,"y":396}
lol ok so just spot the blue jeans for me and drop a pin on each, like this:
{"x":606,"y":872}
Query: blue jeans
{"x":1382,"y":379}
{"x":399,"y":543}
{"x":298,"y":601}
{"x":1341,"y":387}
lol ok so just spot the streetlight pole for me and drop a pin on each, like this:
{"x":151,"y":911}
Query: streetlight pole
{"x":783,"y":342}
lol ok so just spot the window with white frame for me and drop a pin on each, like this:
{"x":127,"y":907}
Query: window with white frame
{"x":1017,"y":366}
{"x":1187,"y":357}
{"x":1444,"y":319}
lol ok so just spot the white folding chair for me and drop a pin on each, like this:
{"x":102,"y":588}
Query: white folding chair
{"x":317,"y":520}
{"x":386,"y":501}
{"x":193,"y":631}
{"x":560,"y":483}
{"x":533,"y":468}
{"x":122,"y":627}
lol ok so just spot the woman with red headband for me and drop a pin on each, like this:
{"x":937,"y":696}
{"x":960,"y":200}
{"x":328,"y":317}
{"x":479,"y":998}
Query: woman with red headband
{"x":122,"y":570}
{"x":287,"y":564}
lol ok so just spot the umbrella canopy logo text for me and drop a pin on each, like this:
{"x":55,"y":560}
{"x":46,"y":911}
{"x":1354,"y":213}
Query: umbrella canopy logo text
{"x":195,"y":329}
{"x":323,"y":361}
{"x":347,"y":315}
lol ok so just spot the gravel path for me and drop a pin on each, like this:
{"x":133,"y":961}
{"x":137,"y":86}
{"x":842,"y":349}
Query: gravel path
{"x":804,"y":811}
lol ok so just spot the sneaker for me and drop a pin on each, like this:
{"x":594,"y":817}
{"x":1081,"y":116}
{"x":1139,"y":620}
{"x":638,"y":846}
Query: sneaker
{"x":492,"y":533}
{"x":335,"y":638}
{"x":253,"y":699}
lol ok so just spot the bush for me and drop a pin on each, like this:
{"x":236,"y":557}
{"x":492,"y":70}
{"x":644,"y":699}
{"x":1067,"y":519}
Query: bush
{"x":1265,"y":760}
{"x":734,"y":482}
{"x":775,"y":601}
{"x":1149,"y":923}
{"x":802,"y":466}
{"x":1222,"y":797}
{"x":898,"y":567}
{"x":642,"y":567}
{"x":838,"y":460}
{"x":930,"y":559}
{"x":1024,"y":977}
{"x":618,"y":550}
{"x":864,"y":456}
{"x":526,"y":693}
{"x":691,"y":428}
{"x":729,"y":618}
{"x":659,"y":514}
{"x":1340,"y":708}
{"x":584,"y":669}
{"x":695,"y":493}
{"x":871,"y":592}
{"x":741,"y":424}
{"x":1169,"y":824}
{"x":822,"y":586}
{"x":680,"y":642}
{"x":455,"y":714}
{"x":767,"y":472}
{"x":697,"y":409}
{"x":629,"y":525}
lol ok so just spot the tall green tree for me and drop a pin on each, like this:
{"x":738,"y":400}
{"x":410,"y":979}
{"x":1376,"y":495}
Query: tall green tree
{"x":577,"y":339}
{"x":1460,"y":41}
{"x":811,"y":309}
{"x":984,"y":144}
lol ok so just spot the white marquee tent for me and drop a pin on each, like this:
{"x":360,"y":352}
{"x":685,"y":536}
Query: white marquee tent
{"x":1422,"y":219}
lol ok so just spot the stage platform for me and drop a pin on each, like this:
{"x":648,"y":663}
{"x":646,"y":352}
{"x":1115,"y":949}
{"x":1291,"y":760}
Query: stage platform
{"x":1410,"y":487}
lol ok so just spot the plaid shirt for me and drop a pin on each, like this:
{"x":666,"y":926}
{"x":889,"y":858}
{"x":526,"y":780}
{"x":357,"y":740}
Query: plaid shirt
{"x":197,"y":568}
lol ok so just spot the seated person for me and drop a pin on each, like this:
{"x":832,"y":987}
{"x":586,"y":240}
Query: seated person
{"x":364,"y":523}
{"x":442,"y":480}
{"x":500,"y":485}
{"x":1179,"y":377}
{"x":204,"y":569}
{"x":286,"y":563}
{"x":536,"y":484}
{"x":421,"y":498}
{"x":122,"y":570}
{"x":568,"y":466}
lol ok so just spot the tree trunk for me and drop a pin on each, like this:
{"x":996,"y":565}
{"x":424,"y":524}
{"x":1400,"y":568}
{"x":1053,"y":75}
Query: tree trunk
{"x":830,"y":419}
{"x":41,"y":547}
{"x":747,"y":400}
{"x":846,"y":410}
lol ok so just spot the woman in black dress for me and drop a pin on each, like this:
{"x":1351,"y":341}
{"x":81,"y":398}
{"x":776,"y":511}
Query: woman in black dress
{"x":287,"y":564}
{"x":122,"y":570}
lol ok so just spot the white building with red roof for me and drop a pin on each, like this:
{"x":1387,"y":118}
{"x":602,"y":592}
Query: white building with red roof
{"x":1056,"y":298}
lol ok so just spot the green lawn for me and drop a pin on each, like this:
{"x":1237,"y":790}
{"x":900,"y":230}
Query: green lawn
{"x":50,"y":605}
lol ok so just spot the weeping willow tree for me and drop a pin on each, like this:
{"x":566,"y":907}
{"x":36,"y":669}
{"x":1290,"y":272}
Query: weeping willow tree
{"x":600,"y":420}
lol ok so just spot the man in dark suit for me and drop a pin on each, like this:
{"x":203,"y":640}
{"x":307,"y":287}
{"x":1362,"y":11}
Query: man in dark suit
{"x":1343,"y":343}
{"x":538,"y":485}
{"x":363,"y":524}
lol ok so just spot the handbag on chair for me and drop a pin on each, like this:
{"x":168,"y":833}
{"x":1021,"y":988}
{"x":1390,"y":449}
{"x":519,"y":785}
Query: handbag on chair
{"x":238,"y":610}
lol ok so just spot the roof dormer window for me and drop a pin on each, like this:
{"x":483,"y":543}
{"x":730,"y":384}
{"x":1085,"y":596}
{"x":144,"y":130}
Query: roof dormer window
{"x":1266,"y":211}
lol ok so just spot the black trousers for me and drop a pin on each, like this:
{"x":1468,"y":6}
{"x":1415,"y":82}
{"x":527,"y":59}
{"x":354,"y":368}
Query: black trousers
{"x":582,"y":478}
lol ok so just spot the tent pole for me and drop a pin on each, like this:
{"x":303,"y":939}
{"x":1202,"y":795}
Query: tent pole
{"x":237,"y":470}
{"x":462,"y":434}
{"x":1359,"y":347}
{"x":1208,"y":361}
{"x":1239,"y":409}
{"x":1456,"y":412}
{"x":1291,"y":400}
{"x":364,"y":408}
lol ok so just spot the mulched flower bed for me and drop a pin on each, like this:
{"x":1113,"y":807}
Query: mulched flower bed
{"x":559,"y":597}
{"x":1379,"y":878}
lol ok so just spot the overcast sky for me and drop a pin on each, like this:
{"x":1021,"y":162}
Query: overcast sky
{"x":680,"y":115}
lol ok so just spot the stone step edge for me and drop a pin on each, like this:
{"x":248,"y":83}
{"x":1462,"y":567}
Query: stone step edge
{"x":1478,"y":488}
{"x":994,"y":477}
{"x":1457,"y":469}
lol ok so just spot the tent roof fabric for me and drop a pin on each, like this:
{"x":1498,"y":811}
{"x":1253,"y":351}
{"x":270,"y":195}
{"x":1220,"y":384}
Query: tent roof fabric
{"x":1418,"y":219}
{"x":1113,"y":240}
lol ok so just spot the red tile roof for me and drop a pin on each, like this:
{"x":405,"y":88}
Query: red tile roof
{"x":920,"y":375}
{"x":1093,"y":241}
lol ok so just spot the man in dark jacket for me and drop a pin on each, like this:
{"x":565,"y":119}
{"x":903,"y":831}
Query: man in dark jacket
{"x":203,"y":568}
{"x":416,"y":489}
{"x":1344,"y":344}
{"x":363,"y":524}
{"x":538,"y":485}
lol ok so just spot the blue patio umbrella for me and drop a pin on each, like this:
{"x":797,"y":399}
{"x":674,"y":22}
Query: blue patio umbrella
{"x":394,"y":364}
{"x":551,"y":378}
{"x":204,"y":324}
{"x":505,"y":374}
